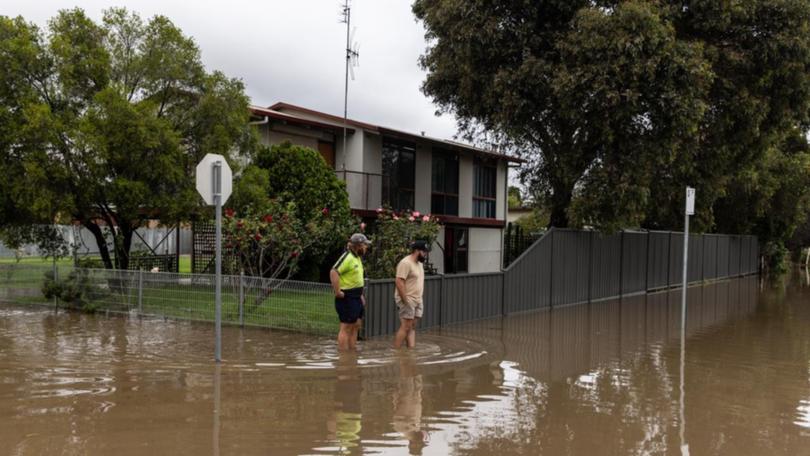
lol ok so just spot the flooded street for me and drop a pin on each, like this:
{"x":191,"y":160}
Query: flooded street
{"x":591,"y":379}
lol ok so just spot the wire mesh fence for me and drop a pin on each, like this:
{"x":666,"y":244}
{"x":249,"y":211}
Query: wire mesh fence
{"x":249,"y":301}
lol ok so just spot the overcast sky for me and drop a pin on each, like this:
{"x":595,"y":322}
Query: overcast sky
{"x":293,"y":51}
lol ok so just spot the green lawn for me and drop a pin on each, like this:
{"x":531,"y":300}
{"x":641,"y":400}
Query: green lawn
{"x":308,"y":308}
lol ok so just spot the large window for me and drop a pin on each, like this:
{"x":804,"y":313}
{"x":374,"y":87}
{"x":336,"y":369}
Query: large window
{"x":484,"y":188}
{"x":456,"y":244}
{"x":444,"y":198}
{"x":399,"y":171}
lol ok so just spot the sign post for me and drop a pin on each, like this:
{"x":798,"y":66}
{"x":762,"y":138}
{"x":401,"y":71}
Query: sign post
{"x":689,"y":210}
{"x":214,"y":183}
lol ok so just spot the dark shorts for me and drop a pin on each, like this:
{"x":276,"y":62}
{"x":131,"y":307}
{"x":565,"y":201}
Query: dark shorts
{"x":350,"y":307}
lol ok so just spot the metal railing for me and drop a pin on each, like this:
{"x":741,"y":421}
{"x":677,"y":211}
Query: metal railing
{"x":247,"y":301}
{"x":366,"y":190}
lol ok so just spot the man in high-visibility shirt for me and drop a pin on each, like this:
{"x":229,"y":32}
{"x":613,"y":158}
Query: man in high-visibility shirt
{"x":348,"y":282}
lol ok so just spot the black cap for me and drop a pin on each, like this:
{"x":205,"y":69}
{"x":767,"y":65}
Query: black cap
{"x":420,"y":245}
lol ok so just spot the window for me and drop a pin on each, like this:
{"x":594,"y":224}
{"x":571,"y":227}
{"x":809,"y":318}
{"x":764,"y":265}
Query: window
{"x":444,"y":199}
{"x":455,"y":249}
{"x":484,"y":188}
{"x":399,"y":172}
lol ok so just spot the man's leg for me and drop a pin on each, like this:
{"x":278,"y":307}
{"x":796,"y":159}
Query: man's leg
{"x":412,"y":333}
{"x":355,"y":329}
{"x":402,"y":333}
{"x":343,"y":336}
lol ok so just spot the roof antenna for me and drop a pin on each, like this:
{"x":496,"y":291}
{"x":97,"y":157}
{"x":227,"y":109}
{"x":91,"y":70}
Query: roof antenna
{"x":352,"y":57}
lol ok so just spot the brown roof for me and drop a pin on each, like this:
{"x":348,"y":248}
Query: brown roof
{"x":338,"y":123}
{"x":277,"y":115}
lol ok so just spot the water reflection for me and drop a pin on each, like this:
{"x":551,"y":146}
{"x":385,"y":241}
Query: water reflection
{"x":603,"y":378}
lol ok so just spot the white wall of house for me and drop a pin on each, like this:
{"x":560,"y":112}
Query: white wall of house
{"x":501,"y":175}
{"x":484,"y":250}
{"x":436,"y":253}
{"x":422,"y":181}
{"x":465,"y":186}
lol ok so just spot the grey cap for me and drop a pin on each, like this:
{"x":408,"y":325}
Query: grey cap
{"x":359,"y":238}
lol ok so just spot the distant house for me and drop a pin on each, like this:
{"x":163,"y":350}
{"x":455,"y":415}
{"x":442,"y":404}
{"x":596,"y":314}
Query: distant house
{"x":464,"y":186}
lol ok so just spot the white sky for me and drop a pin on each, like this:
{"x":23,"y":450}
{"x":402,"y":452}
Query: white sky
{"x":293,"y":51}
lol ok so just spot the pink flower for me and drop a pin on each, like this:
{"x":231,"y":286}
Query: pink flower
{"x":411,"y":218}
{"x":426,"y":219}
{"x":416,"y":214}
{"x":395,"y":217}
{"x":325,"y":211}
{"x":379,"y":210}
{"x":362,"y":227}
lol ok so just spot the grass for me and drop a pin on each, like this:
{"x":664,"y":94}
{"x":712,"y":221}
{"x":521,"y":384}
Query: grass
{"x":307,"y":308}
{"x":184,"y":264}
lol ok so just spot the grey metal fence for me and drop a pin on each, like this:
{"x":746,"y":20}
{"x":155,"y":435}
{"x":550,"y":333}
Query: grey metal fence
{"x":250,"y":301}
{"x":567,"y":267}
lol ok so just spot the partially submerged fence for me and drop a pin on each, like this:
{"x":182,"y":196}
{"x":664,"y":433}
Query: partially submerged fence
{"x":249,"y":301}
{"x":567,"y":267}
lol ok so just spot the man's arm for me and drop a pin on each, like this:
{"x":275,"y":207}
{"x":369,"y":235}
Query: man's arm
{"x":401,"y":289}
{"x":334,"y":277}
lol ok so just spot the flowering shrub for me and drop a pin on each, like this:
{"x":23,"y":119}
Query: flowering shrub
{"x":270,"y":242}
{"x":394,"y":231}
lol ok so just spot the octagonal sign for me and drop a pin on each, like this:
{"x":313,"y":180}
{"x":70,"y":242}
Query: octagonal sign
{"x":205,"y":178}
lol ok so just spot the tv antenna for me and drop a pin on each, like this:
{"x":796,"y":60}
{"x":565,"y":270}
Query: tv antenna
{"x":352,"y":61}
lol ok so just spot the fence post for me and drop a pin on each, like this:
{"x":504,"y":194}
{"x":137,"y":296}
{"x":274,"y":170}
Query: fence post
{"x":140,"y":291}
{"x":55,"y":280}
{"x":590,"y":266}
{"x":241,"y":298}
{"x":621,"y":264}
{"x":551,"y":272}
{"x":442,"y":299}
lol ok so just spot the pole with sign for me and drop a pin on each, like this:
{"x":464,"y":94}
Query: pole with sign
{"x":214,"y":183}
{"x":690,"y":210}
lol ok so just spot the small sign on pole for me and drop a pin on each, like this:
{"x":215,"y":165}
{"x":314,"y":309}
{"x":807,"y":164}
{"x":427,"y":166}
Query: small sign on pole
{"x":215,"y":183}
{"x":690,"y":201}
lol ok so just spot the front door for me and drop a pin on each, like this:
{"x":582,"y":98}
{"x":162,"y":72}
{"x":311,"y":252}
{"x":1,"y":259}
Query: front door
{"x":327,"y":150}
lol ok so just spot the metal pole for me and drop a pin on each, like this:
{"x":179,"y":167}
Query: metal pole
{"x":241,"y":298}
{"x":217,"y":176}
{"x":55,"y":280}
{"x":685,"y":262}
{"x":140,"y":291}
{"x":348,"y":11}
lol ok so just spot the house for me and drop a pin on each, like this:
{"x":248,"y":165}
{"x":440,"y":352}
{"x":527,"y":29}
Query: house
{"x":464,"y":186}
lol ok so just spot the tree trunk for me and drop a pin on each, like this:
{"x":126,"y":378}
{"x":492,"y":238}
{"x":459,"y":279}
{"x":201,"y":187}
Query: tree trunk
{"x":122,"y":250}
{"x":560,"y":201}
{"x":95,"y":230}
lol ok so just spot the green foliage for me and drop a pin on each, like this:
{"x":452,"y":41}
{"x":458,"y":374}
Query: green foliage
{"x":104,"y":123}
{"x":534,"y":222}
{"x":392,"y":237}
{"x":287,"y":173}
{"x":515,"y":198}
{"x":77,"y":291}
{"x":268,"y":241}
{"x":619,"y":105}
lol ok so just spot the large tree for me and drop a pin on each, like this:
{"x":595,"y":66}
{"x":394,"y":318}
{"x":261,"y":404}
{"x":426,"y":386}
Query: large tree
{"x":620,"y":104}
{"x":103,"y":123}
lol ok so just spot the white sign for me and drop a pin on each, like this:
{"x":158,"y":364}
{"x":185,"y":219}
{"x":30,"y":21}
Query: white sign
{"x":205,"y":178}
{"x":690,"y":201}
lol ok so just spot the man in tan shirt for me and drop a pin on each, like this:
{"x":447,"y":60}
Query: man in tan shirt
{"x":410,"y":283}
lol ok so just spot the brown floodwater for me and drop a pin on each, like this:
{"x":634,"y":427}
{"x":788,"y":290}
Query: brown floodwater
{"x":598,"y":379}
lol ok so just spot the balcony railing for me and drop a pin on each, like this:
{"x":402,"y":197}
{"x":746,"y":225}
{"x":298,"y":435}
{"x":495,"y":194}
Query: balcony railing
{"x":365,"y":189}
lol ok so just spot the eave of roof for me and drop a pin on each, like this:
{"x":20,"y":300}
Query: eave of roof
{"x":453,"y":145}
{"x":276,"y":115}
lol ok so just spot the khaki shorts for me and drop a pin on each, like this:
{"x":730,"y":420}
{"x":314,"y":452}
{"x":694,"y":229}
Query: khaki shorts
{"x":410,"y":311}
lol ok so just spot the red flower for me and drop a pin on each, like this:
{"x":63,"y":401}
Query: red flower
{"x":229,"y":212}
{"x":325,"y":211}
{"x":268,"y":218}
{"x":258,"y":237}
{"x":240,"y":223}
{"x":294,"y":254}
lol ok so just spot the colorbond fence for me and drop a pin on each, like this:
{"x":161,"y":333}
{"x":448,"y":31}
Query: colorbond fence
{"x":567,"y":267}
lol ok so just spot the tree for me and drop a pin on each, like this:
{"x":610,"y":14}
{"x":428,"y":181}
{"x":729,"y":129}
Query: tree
{"x":618,"y":105}
{"x":515,"y":197}
{"x":288,"y":173}
{"x":393,"y":234}
{"x":103,"y":124}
